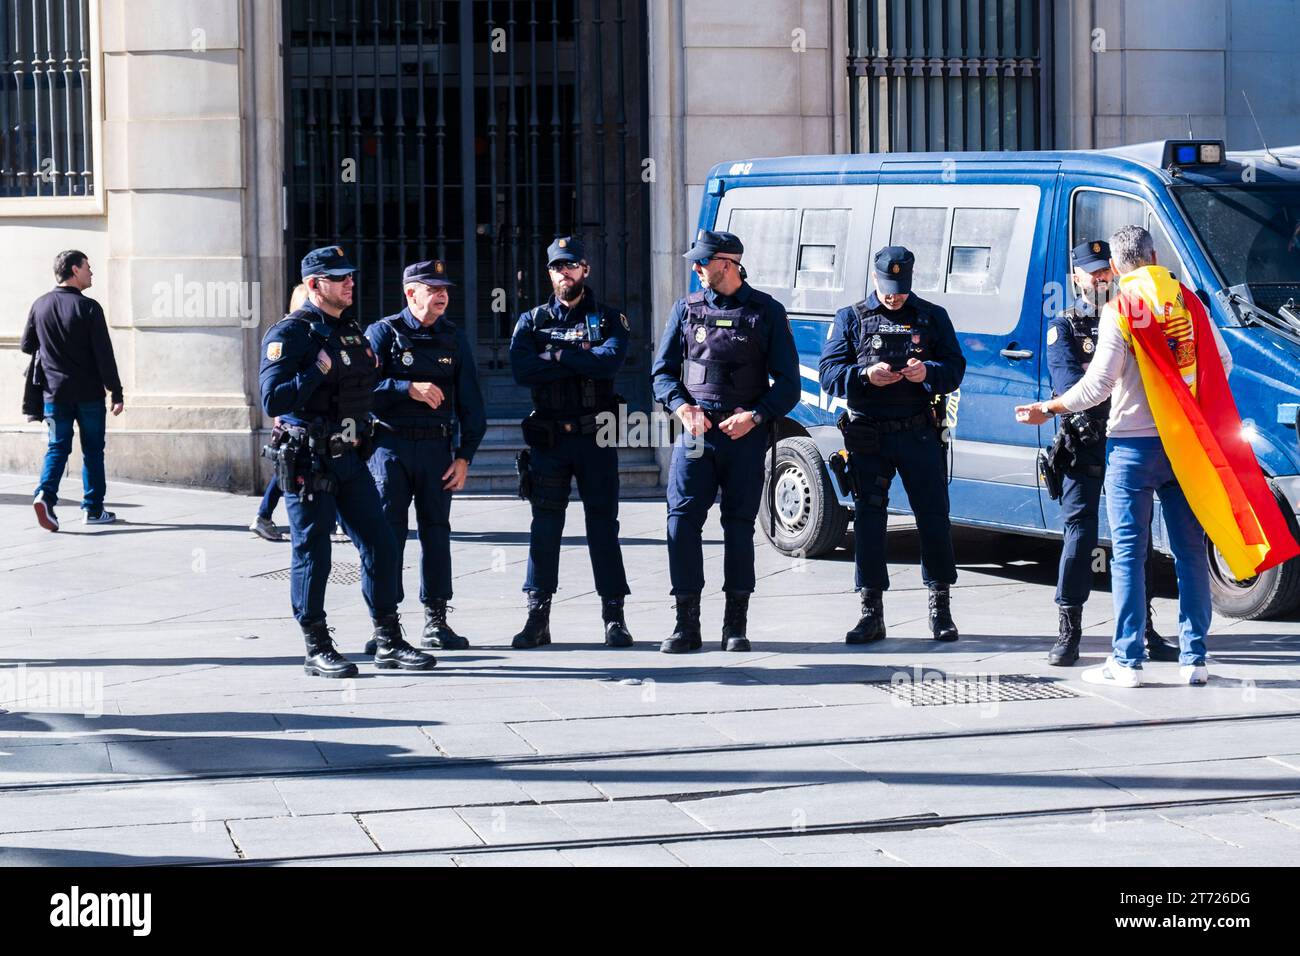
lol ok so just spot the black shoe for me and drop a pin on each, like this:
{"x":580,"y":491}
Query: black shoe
{"x":537,"y":629}
{"x":323,"y":659}
{"x":616,"y":632}
{"x":392,"y":651}
{"x":686,"y":635}
{"x":941,"y":626}
{"x":437,"y":632}
{"x":871,"y":626}
{"x":735,"y":617}
{"x":1158,"y":649}
{"x":1066,"y":649}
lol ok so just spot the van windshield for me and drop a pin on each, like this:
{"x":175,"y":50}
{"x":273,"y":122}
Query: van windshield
{"x":1252,"y":234}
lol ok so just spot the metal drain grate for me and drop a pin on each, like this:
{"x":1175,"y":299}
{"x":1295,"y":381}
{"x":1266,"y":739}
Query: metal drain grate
{"x":935,"y":689}
{"x":341,"y":572}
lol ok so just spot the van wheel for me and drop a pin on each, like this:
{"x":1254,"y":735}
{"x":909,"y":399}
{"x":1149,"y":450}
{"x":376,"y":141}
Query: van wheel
{"x":809,"y":520}
{"x":1270,"y":594}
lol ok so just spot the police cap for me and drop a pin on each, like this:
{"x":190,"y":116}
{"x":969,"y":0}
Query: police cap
{"x":708,"y":243}
{"x":893,"y":267}
{"x":1091,"y":256}
{"x":565,"y":249}
{"x":327,"y":261}
{"x":430,"y":272}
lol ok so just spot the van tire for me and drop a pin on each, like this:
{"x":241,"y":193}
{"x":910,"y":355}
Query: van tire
{"x":810,"y":521}
{"x":1270,"y":594}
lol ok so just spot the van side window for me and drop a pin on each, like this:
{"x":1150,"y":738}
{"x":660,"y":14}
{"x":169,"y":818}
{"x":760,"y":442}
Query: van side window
{"x":823,"y":235}
{"x":1097,"y":215}
{"x":769,"y":238}
{"x":923,"y":230}
{"x":978,"y":252}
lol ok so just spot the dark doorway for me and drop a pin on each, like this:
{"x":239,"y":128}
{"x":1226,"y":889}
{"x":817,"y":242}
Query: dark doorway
{"x":474,"y":131}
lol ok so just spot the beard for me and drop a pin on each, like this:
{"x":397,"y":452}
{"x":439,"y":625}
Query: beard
{"x":571,"y":294}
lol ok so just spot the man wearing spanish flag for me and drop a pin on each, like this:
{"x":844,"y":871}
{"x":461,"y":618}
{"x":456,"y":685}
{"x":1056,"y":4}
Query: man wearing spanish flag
{"x":1173,"y":426}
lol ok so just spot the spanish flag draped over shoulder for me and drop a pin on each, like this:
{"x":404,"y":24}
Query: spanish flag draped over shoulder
{"x":1168,"y":331}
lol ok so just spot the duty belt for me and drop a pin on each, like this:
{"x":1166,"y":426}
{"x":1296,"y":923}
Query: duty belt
{"x":582,"y":425}
{"x":419,"y":434}
{"x":887,"y":426}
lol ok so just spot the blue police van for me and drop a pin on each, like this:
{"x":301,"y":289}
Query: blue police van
{"x":991,"y":233}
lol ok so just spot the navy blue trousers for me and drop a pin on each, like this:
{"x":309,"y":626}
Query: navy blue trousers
{"x":407,"y":470}
{"x":312,"y":521}
{"x":552,"y":469}
{"x":917,"y":457}
{"x":700,"y":468}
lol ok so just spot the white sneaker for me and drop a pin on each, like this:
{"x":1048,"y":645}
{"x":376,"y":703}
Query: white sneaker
{"x":45,"y":514}
{"x":104,"y":517}
{"x":265,"y":528}
{"x":1194,"y":674}
{"x":1112,"y":674}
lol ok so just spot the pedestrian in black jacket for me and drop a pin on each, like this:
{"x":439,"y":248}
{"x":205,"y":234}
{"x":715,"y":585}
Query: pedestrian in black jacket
{"x":69,"y":333}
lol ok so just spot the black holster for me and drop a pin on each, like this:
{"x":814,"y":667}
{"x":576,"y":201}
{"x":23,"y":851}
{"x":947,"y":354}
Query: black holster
{"x":860,"y":437}
{"x":523,"y":461}
{"x":538,"y":432}
{"x":841,"y":471}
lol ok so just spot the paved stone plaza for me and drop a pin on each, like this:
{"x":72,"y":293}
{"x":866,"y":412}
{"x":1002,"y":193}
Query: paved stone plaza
{"x":158,"y":712}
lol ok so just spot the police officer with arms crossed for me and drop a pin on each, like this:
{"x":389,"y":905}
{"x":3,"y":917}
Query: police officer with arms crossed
{"x":719,"y":349}
{"x":318,"y":374}
{"x":1071,"y":342}
{"x":428,"y":384}
{"x":889,"y":357}
{"x":567,"y":352}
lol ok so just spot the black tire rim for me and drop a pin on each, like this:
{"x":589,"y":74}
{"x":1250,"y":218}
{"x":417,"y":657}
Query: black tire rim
{"x":1223,"y":574}
{"x":793,"y":497}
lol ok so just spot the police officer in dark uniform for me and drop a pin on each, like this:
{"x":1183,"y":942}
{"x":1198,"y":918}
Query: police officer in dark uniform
{"x":1071,"y":341}
{"x":318,"y":374}
{"x":719,"y":348}
{"x":890,"y":357}
{"x":428,"y":386}
{"x":567,"y":352}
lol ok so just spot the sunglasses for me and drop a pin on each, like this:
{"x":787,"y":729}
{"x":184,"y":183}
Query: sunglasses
{"x":339,"y":279}
{"x":566,"y":267}
{"x":707,"y":259}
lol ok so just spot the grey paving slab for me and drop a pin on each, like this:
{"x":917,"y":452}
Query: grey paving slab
{"x":518,"y":825}
{"x":45,"y":764}
{"x":1019,"y":753}
{"x":734,"y":852}
{"x":514,"y":858}
{"x":413,"y":860}
{"x":1098,"y":840}
{"x":211,"y":754}
{"x":619,"y":733}
{"x":399,"y":790}
{"x":299,"y":836}
{"x":478,"y":740}
{"x":419,"y":830}
{"x":941,"y":846}
{"x":800,"y":807}
{"x":119,"y":846}
{"x":1200,"y":780}
{"x":827,"y":723}
{"x":634,"y":855}
{"x":953,"y":794}
{"x":627,"y":819}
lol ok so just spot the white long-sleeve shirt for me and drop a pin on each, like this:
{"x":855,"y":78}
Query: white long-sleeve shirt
{"x":1114,"y":372}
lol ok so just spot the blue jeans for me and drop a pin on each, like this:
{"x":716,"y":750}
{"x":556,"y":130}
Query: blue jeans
{"x":1137,"y":469}
{"x":89,"y":418}
{"x":270,"y":499}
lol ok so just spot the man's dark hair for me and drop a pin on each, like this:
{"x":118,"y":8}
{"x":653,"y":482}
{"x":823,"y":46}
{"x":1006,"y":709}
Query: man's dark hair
{"x":65,"y":262}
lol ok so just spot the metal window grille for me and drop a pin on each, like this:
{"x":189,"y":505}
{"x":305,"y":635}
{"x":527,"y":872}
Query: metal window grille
{"x":46,"y":144}
{"x":949,"y":75}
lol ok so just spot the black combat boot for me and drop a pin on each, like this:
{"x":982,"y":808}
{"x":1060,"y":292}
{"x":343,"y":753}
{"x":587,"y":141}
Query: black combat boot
{"x":871,"y":626}
{"x":1066,"y":649}
{"x":734,"y":620}
{"x":437,"y":632}
{"x":323,"y":659}
{"x":941,"y":626}
{"x":537,"y":629}
{"x":686,"y":635}
{"x":1158,"y":649}
{"x":616,"y":632}
{"x":391,"y":649}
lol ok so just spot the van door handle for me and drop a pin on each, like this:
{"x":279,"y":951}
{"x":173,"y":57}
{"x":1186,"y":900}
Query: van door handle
{"x":1016,"y":354}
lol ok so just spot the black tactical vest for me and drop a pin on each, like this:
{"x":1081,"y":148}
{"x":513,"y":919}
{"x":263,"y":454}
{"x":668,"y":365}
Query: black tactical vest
{"x":348,"y":390}
{"x":895,"y":337}
{"x":431,"y":355}
{"x":574,"y":395}
{"x":1084,"y":328}
{"x":725,"y":360}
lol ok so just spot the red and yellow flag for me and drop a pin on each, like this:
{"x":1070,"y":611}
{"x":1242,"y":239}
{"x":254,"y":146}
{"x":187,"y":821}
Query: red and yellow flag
{"x":1167,"y":328}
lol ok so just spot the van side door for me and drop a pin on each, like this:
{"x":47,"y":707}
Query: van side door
{"x":977,"y":235}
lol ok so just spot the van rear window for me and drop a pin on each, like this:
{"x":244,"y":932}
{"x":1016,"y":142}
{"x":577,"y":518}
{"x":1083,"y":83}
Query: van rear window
{"x":769,"y":236}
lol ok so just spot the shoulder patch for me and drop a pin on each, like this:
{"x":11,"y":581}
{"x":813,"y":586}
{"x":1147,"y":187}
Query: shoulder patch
{"x":1052,"y":335}
{"x":274,"y":350}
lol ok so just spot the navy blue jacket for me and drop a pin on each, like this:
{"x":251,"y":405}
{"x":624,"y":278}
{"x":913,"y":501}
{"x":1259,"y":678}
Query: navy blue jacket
{"x":71,"y":333}
{"x":393,"y":402}
{"x":839,"y":370}
{"x":782,"y":357}
{"x":1069,"y":354}
{"x":600,"y":361}
{"x":289,"y":373}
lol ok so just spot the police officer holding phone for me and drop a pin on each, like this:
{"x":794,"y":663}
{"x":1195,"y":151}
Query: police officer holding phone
{"x":567,"y":351}
{"x":1071,"y":342}
{"x":890,"y":357}
{"x":720,"y":348}
{"x":318,"y":374}
{"x":429,"y":421}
